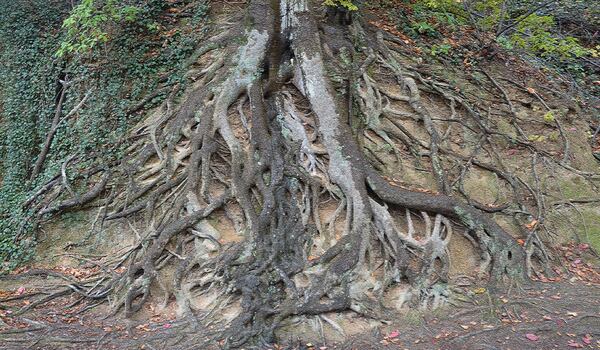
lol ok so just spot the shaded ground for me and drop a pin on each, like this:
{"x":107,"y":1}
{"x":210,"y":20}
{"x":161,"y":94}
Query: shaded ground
{"x":561,"y":313}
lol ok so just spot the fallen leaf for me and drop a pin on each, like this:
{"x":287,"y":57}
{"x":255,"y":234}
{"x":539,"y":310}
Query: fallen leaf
{"x":531,"y":90}
{"x":21,"y":290}
{"x":464,"y":326}
{"x":571,"y":313}
{"x":393,"y":335}
{"x":574,"y":344}
{"x":530,"y":226}
{"x":480,"y":290}
{"x":532,"y":337}
{"x":587,"y":339}
{"x":167,"y":325}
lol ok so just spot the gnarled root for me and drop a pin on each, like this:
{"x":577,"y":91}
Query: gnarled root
{"x":271,"y":162}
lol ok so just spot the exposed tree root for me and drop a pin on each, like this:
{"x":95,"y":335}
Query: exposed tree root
{"x":269,"y":160}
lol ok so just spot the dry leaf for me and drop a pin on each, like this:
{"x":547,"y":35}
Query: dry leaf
{"x":530,"y":226}
{"x":532,"y":337}
{"x":587,"y":339}
{"x":393,"y":335}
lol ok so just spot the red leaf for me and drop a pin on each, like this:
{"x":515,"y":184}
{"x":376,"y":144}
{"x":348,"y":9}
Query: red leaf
{"x":532,"y":337}
{"x":574,"y":344}
{"x":587,"y":339}
{"x":21,"y":290}
{"x":393,"y":335}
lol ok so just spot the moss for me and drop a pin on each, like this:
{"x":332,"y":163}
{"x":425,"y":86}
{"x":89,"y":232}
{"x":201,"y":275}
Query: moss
{"x":589,"y":227}
{"x":413,"y":318}
{"x":574,"y":188}
{"x":505,"y":127}
{"x":570,"y":225}
{"x":483,"y":186}
{"x":465,"y":218}
{"x":507,"y":224}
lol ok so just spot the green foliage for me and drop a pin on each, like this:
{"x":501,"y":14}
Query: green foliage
{"x":505,"y":43}
{"x":347,"y":4}
{"x":549,"y":117}
{"x":536,"y":138}
{"x":118,"y":74}
{"x":423,"y":27}
{"x":90,"y":23}
{"x":513,"y":24}
{"x":533,"y":33}
{"x":27,"y":90}
{"x":443,"y":49}
{"x":426,"y":18}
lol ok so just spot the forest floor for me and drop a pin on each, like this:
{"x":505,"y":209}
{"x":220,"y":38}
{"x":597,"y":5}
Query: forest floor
{"x":562,"y":312}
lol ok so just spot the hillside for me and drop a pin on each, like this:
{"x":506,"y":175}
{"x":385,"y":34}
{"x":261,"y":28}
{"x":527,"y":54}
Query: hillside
{"x":299,"y":174}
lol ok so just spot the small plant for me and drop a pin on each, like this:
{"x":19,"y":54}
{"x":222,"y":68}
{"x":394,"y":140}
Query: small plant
{"x":90,"y":22}
{"x":504,"y":42}
{"x":533,"y":34}
{"x":423,"y":27}
{"x":549,"y":117}
{"x":536,"y":138}
{"x":443,"y":49}
{"x":347,"y":4}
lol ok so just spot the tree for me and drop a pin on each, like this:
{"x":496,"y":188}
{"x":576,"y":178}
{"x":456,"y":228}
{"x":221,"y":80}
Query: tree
{"x":264,"y":137}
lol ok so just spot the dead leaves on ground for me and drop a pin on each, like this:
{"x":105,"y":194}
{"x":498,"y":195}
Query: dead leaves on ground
{"x":573,"y":266}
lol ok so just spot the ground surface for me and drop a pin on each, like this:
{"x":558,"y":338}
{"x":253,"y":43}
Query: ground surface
{"x":561,"y":313}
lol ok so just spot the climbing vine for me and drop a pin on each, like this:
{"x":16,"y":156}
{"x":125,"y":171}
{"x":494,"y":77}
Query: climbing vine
{"x":27,"y":90}
{"x":91,"y":22}
{"x":103,"y":77}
